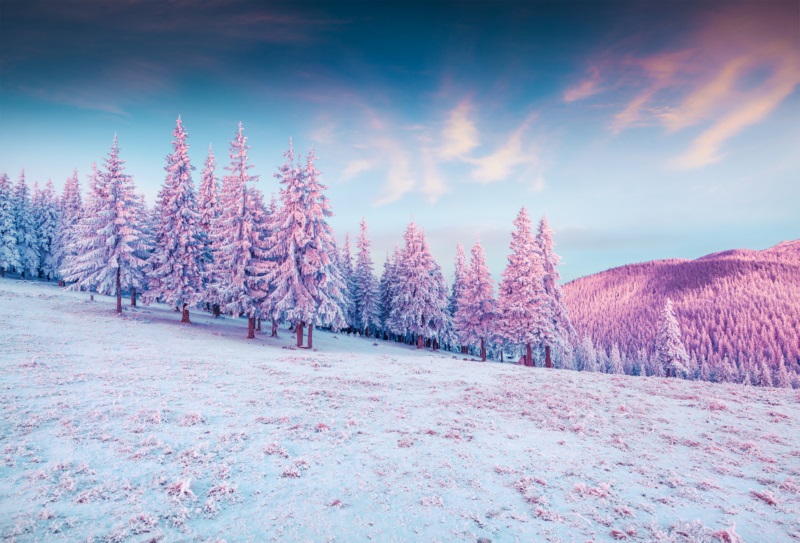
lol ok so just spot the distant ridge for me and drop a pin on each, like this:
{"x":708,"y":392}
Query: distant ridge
{"x":741,"y":303}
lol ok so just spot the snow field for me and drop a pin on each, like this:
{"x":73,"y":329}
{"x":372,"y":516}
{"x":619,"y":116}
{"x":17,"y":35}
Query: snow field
{"x":138,"y":428}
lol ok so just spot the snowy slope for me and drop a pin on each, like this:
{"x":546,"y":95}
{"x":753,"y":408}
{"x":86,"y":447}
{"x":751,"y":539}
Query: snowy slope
{"x":139,"y":428}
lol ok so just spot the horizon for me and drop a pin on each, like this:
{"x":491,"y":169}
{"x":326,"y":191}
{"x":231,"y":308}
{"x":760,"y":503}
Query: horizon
{"x":672,"y":142}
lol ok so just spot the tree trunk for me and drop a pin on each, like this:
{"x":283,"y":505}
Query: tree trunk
{"x":420,"y":341}
{"x":299,"y":331}
{"x":501,"y":357}
{"x":548,"y":363}
{"x":528,"y":355}
{"x":310,"y":331}
{"x":251,"y":325}
{"x":185,"y":315}
{"x":367,"y":331}
{"x":274,"y":328}
{"x":258,"y":325}
{"x":483,"y":351}
{"x":3,"y":273}
{"x":119,"y":291}
{"x":133,"y":298}
{"x":215,"y":310}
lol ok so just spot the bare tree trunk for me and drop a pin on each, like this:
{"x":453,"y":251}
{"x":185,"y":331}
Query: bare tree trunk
{"x":133,"y":297}
{"x":3,"y":273}
{"x":215,"y":310}
{"x":528,"y":355}
{"x":310,"y":331}
{"x":483,"y":351}
{"x":548,"y":363}
{"x":367,"y":331}
{"x":420,"y":341}
{"x":501,"y":356}
{"x":258,"y":325}
{"x":299,"y":331}
{"x":119,"y":291}
{"x":185,"y":315}
{"x":251,"y":325}
{"x":274,"y":328}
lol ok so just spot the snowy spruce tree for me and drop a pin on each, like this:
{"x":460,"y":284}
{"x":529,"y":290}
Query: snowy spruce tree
{"x":9,"y":254}
{"x":177,"y":258}
{"x":46,"y":216}
{"x":563,"y":332}
{"x":420,"y":301}
{"x":457,"y":288}
{"x":475,"y":314}
{"x":615,"y":361}
{"x":208,"y":209}
{"x":366,"y":296}
{"x":308,"y":286}
{"x":586,"y":355}
{"x":386,"y":292}
{"x":25,"y":228}
{"x":670,"y":352}
{"x":240,"y":249}
{"x":70,"y":212}
{"x":523,"y":305}
{"x":345,"y":261}
{"x":109,"y":235}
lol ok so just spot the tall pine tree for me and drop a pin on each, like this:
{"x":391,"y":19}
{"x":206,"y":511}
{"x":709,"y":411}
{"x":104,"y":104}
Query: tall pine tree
{"x":46,"y":216}
{"x":25,"y":228}
{"x":456,"y":293}
{"x":670,"y":353}
{"x":474,"y":319}
{"x":367,"y":300}
{"x":9,"y":254}
{"x":70,"y":212}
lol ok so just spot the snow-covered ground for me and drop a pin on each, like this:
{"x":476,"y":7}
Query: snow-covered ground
{"x":140,"y":428}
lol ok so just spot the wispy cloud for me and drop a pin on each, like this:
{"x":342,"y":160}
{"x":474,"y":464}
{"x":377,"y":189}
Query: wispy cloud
{"x":586,"y":88}
{"x":505,"y":160}
{"x":399,"y":180}
{"x":460,"y":136}
{"x":434,"y":186}
{"x":356,"y":167}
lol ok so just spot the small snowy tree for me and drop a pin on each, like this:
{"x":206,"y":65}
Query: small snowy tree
{"x":456,"y":292}
{"x":46,"y":212}
{"x":70,"y":212}
{"x":474,"y":319}
{"x":177,"y":259}
{"x":366,"y":296}
{"x":345,"y":261}
{"x":523,"y":305}
{"x":25,"y":228}
{"x":670,"y":352}
{"x":109,"y":234}
{"x":586,"y":355}
{"x":782,"y":379}
{"x":208,"y":207}
{"x":563,"y":332}
{"x":419,"y":305}
{"x":615,"y":361}
{"x":386,"y":292}
{"x":9,"y":254}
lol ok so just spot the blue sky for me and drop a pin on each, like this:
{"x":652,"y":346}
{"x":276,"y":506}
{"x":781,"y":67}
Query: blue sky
{"x":643,"y":130}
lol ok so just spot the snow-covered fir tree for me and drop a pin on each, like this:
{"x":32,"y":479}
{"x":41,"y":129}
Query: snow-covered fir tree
{"x":177,"y":258}
{"x":615,"y":361}
{"x":70,"y":212}
{"x":25,"y":228}
{"x":109,"y":234}
{"x":208,"y":209}
{"x":420,"y":302}
{"x":366,"y":295}
{"x":586,"y":355}
{"x":46,"y":216}
{"x":9,"y":254}
{"x":345,"y":261}
{"x":781,"y":379}
{"x":386,"y":291}
{"x":456,"y":289}
{"x":240,"y":250}
{"x":523,"y":305}
{"x":475,"y":314}
{"x":670,"y":352}
{"x":563,"y":332}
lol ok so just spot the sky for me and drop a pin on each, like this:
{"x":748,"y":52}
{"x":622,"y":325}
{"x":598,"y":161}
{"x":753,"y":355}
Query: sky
{"x":643,"y":130}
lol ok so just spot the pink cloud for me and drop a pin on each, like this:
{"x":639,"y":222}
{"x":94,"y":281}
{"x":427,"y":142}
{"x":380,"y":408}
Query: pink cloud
{"x":460,"y":136}
{"x":586,"y":88}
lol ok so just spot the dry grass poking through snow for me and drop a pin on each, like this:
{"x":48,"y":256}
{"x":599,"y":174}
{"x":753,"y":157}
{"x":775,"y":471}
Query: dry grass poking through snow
{"x":138,"y":428}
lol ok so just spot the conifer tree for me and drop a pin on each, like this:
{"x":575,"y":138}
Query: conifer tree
{"x":46,"y":216}
{"x":367,"y":298}
{"x":457,"y":288}
{"x":240,"y":250}
{"x":420,"y":302}
{"x":9,"y":254}
{"x":386,"y":291}
{"x":523,"y":305}
{"x":670,"y":352}
{"x":563,"y":332}
{"x":209,"y":208}
{"x":782,"y":379}
{"x":109,"y":234}
{"x":345,"y":261}
{"x":70,"y":212}
{"x":25,"y":228}
{"x":475,"y":314}
{"x":177,"y":257}
{"x":587,"y":355}
{"x":615,"y":361}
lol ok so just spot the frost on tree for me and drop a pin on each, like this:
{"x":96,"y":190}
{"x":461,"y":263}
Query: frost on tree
{"x":563,"y":332}
{"x":9,"y":254}
{"x":345,"y":262}
{"x":458,"y":287}
{"x":44,"y":207}
{"x":523,"y":305}
{"x":25,"y":228}
{"x":308,"y":286}
{"x":386,"y":292}
{"x":474,"y":319}
{"x":208,"y":208}
{"x":177,"y":257}
{"x":240,"y":247}
{"x":586,"y":355}
{"x":419,"y":304}
{"x":366,"y":296}
{"x":70,"y":212}
{"x":109,"y":235}
{"x":670,"y":353}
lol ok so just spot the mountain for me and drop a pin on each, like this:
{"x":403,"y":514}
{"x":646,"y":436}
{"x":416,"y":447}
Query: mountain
{"x":741,"y":304}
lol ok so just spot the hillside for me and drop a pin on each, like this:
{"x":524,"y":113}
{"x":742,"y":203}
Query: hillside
{"x":740,"y":304}
{"x":138,"y":428}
